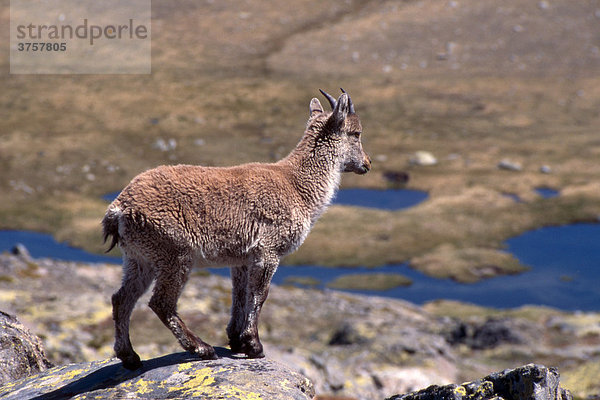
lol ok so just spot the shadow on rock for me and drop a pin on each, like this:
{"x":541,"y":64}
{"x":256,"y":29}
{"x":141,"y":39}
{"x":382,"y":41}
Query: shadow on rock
{"x":114,"y":374}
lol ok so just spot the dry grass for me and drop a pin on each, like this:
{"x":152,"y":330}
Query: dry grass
{"x":231,"y":84}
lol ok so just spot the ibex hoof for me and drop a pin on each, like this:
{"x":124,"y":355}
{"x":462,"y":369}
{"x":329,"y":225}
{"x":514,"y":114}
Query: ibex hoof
{"x":131,"y":361}
{"x":252,"y":354}
{"x":205,"y":353}
{"x":250,"y":349}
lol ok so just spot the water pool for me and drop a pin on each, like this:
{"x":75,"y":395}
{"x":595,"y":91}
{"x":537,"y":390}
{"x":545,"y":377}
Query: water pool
{"x":565,"y":270}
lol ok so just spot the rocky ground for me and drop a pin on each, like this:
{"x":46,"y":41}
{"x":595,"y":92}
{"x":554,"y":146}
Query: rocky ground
{"x":474,"y":102}
{"x":353,"y":346}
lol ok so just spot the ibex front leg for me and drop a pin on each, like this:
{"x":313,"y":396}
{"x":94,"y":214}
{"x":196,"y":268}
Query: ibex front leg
{"x":245,"y":338}
{"x":239,"y":283}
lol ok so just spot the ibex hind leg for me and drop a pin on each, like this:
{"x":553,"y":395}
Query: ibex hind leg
{"x":163,"y":302}
{"x":136,"y":279}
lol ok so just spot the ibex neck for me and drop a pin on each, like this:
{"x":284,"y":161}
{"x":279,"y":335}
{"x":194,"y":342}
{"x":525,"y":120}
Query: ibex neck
{"x":316,"y":173}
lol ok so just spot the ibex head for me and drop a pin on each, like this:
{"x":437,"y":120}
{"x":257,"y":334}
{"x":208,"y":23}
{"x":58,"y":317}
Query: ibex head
{"x":343,"y":130}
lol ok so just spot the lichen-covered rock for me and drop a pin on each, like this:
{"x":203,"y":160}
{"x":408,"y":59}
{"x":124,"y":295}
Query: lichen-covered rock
{"x":21,"y":352}
{"x":168,"y":377}
{"x":532,"y":382}
{"x":492,"y":332}
{"x":363,"y":347}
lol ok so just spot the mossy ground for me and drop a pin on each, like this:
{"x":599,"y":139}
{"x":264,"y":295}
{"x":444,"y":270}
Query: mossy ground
{"x":374,"y":281}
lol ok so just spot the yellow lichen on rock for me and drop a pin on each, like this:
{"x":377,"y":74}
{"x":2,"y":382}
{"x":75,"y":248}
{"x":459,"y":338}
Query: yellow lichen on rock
{"x":170,"y":376}
{"x":460,"y":390}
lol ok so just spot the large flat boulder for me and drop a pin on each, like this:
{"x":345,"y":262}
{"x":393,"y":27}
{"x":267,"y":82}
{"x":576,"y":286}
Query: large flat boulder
{"x":173,"y":376}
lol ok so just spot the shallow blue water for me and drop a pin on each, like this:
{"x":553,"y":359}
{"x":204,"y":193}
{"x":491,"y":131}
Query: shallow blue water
{"x":565,"y":274}
{"x":391,"y":199}
{"x":547,"y":193}
{"x":41,"y":245}
{"x":565,"y":271}
{"x":565,"y":265}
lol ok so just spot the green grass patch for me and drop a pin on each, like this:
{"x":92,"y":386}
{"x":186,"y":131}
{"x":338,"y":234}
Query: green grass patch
{"x":376,"y":281}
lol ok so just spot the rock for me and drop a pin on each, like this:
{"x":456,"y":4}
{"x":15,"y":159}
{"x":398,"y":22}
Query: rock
{"x":423,"y":158}
{"x":488,"y":334}
{"x":19,"y":249}
{"x":172,"y":376}
{"x":510,"y":165}
{"x":534,"y":382}
{"x":543,"y":5}
{"x":165,"y":145}
{"x":21,"y":352}
{"x":396,"y":177}
{"x":546,"y":169}
{"x":346,"y":335}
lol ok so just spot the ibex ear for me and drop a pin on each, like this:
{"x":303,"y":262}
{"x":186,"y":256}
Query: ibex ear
{"x":341,"y":110}
{"x":315,"y":107}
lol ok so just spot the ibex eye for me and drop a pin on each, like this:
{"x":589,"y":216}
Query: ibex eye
{"x":355,"y":134}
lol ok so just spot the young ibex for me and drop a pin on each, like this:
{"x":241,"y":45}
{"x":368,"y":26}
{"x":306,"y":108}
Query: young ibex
{"x":172,"y":218}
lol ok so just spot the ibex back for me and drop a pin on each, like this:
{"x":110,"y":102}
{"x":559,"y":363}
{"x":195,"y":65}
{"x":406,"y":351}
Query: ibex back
{"x":173,"y":218}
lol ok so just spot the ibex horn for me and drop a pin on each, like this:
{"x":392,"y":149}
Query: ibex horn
{"x":329,"y":97}
{"x":349,"y":102}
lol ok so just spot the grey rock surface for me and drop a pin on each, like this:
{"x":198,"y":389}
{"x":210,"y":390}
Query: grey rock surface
{"x":21,"y":352}
{"x":176,"y":375}
{"x":531,"y":382}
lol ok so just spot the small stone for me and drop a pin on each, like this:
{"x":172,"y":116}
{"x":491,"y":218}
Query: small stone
{"x":165,"y":145}
{"x":546,"y":169}
{"x":510,"y":165}
{"x":20,"y":250}
{"x":423,"y":158}
{"x":396,"y":177}
{"x":451,"y":48}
